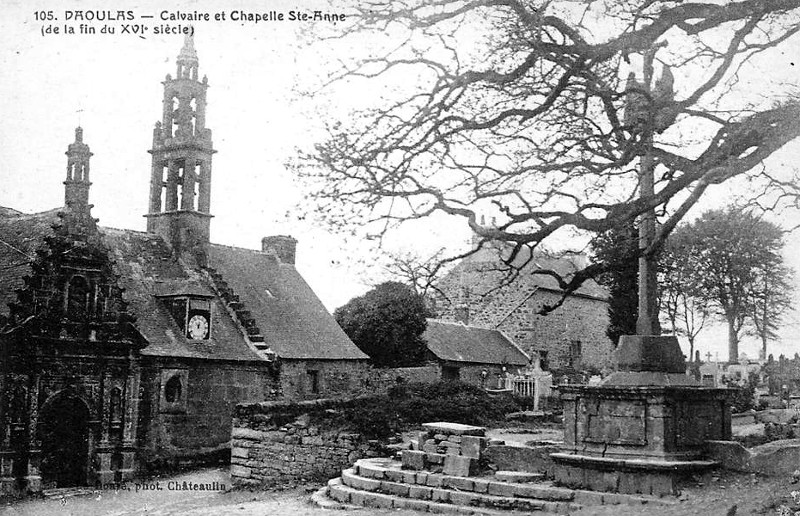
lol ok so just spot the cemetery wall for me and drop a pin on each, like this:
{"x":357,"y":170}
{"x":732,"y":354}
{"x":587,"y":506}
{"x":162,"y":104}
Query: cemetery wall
{"x":284,"y":443}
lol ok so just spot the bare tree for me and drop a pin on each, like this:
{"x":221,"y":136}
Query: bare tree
{"x":417,"y":272}
{"x":543,"y":117}
{"x":681,"y":299}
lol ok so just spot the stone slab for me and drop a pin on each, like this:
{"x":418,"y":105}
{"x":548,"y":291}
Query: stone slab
{"x":460,"y":466}
{"x":473,"y":446}
{"x":530,"y":459}
{"x":413,"y":459}
{"x":633,"y":464}
{"x":442,"y":427}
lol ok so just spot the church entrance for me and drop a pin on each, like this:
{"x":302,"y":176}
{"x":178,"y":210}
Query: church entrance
{"x":64,"y":433}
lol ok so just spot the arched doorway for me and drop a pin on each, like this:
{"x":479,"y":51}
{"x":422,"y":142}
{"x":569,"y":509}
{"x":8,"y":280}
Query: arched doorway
{"x":64,"y":433}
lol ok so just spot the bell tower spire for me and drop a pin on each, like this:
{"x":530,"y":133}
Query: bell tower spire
{"x":180,"y":184}
{"x":76,"y":186}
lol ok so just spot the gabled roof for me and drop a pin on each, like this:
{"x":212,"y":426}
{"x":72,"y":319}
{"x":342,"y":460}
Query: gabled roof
{"x":456,"y":342}
{"x":291,"y":317}
{"x":147,"y":271}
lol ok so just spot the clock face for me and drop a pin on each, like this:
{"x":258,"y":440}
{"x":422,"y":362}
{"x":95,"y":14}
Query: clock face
{"x":198,"y":327}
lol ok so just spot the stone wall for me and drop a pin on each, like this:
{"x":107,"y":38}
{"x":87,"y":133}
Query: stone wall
{"x":380,"y":380}
{"x":283,"y":443}
{"x":194,"y":425}
{"x":314,"y":379}
{"x":579,"y":320}
{"x":340,"y":378}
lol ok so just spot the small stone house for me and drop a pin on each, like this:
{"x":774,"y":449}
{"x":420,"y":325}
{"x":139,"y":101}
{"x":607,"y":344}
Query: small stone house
{"x":123,"y":349}
{"x":571,"y":338}
{"x":471,"y":354}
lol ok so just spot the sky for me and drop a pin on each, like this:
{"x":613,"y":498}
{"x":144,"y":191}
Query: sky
{"x":110,"y":84}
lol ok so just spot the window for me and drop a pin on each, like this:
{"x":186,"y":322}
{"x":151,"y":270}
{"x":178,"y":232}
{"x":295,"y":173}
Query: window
{"x":172,"y":390}
{"x":450,"y":373}
{"x":313,"y":381}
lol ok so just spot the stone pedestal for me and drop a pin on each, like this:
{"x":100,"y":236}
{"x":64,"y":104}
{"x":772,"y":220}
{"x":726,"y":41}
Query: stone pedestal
{"x":7,"y":482}
{"x":647,"y":421}
{"x":33,"y":480}
{"x":644,"y":426}
{"x":104,"y":473}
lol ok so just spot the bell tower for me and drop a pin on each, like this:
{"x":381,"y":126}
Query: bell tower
{"x":180,"y":184}
{"x":76,"y":186}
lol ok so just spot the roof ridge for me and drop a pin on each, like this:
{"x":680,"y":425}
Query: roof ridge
{"x":126,"y":229}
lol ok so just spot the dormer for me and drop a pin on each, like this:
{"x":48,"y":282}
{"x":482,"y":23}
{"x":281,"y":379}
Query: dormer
{"x":190,"y":308}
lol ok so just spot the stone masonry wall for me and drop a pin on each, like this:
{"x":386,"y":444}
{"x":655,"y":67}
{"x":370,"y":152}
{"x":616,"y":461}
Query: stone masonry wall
{"x":345,"y":378}
{"x":280,"y":443}
{"x":579,"y":319}
{"x":195,"y":425}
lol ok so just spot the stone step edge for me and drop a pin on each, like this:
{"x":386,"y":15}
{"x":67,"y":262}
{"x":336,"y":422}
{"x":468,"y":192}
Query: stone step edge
{"x":347,"y":495}
{"x":453,"y":496}
{"x":321,"y":499}
{"x":370,"y":468}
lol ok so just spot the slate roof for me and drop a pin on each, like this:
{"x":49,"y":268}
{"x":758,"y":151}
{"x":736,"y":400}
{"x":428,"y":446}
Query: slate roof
{"x":20,"y":235}
{"x":456,"y":342}
{"x":292,"y":319}
{"x":147,"y":269}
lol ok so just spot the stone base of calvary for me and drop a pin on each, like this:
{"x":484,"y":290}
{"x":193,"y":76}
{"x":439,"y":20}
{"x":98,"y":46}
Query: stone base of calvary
{"x":645,"y":427}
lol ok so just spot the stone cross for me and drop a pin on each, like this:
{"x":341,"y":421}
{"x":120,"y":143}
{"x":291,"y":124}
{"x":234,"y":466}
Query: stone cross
{"x":647,"y":322}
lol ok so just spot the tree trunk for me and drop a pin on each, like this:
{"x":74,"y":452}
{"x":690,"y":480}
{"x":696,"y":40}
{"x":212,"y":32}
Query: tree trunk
{"x":733,"y":341}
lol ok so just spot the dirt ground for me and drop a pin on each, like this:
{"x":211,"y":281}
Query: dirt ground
{"x":170,"y":502}
{"x":750,"y":495}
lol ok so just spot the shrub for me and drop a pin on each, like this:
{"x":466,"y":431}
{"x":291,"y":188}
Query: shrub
{"x":743,"y":398}
{"x":409,"y":405}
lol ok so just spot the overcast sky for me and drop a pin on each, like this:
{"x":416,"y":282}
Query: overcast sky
{"x":111,"y":86}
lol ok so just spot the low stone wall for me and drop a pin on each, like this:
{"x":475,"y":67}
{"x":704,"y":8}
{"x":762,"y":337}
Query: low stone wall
{"x":284,"y":443}
{"x":380,"y":380}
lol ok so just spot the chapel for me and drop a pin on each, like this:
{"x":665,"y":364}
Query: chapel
{"x":122,"y":351}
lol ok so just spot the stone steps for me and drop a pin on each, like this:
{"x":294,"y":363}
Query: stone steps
{"x":349,"y":496}
{"x":382,"y":483}
{"x":237,"y":307}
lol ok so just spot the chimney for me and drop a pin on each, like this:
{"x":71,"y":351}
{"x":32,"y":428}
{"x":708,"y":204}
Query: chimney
{"x":284,"y":247}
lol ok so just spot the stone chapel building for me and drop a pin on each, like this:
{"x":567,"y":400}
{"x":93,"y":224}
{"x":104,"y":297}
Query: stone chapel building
{"x":122,"y":350}
{"x":572,"y":338}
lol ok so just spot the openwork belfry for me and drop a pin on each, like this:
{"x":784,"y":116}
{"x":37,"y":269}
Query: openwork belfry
{"x":126,"y":351}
